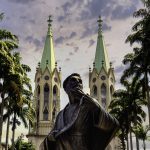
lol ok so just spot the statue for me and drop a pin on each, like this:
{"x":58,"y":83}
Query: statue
{"x":83,"y":124}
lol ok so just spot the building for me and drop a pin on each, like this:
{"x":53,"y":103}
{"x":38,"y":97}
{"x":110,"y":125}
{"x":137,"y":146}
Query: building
{"x":102,"y":79}
{"x":47,"y":92}
{"x":48,"y":84}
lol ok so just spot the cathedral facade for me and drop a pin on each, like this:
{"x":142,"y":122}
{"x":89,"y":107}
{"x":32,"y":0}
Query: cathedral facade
{"x":46,"y":93}
{"x":48,"y":84}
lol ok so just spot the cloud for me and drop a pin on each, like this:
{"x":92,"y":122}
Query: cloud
{"x":22,"y":1}
{"x":70,"y":53}
{"x":92,"y":28}
{"x":106,"y":27}
{"x":72,"y":35}
{"x":108,"y":8}
{"x":88,"y":32}
{"x":121,"y":12}
{"x":67,"y":59}
{"x":23,"y":17}
{"x":70,"y":44}
{"x":119,"y":69}
{"x":61,"y":18}
{"x":95,"y":8}
{"x":76,"y":49}
{"x":91,"y":42}
{"x":61,"y":27}
{"x":32,"y":21}
{"x":66,"y":6}
{"x":60,"y":40}
{"x":35,"y":41}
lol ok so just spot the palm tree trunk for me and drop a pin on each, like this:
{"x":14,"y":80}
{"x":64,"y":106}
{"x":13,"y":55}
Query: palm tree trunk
{"x":13,"y":130}
{"x":123,"y":143}
{"x":144,"y":145}
{"x":127,"y":143}
{"x":147,"y":94}
{"x":136,"y":137}
{"x":137,"y":143}
{"x":7,"y":132}
{"x":122,"y":137}
{"x":1,"y":118}
{"x":131,"y":143}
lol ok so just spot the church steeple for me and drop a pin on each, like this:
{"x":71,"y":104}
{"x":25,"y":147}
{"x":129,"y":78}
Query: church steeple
{"x":101,"y":56}
{"x":101,"y":77}
{"x":48,"y":57}
{"x":47,"y":92}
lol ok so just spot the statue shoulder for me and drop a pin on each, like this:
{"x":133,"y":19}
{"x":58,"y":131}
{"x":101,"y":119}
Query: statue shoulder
{"x":87,"y":99}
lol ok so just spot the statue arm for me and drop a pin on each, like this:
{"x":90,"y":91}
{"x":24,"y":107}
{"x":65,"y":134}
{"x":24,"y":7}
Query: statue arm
{"x":101,"y":118}
{"x":104,"y":120}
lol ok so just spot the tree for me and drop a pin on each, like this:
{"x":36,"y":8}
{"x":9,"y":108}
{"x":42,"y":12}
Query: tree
{"x":21,"y":145}
{"x":141,"y":133}
{"x":8,"y":42}
{"x":15,"y":87}
{"x":126,"y":107}
{"x":20,"y":104}
{"x":138,"y":61}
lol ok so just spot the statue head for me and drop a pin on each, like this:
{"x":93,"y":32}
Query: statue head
{"x":73,"y":83}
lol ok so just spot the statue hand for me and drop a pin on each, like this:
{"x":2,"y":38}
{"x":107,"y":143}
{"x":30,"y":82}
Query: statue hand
{"x":78,"y":93}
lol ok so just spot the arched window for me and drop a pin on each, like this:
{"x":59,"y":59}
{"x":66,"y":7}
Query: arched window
{"x":45,"y":114}
{"x":55,"y":93}
{"x":38,"y":102}
{"x":46,"y":94}
{"x":38,"y":94}
{"x":54,"y":114}
{"x":111,"y":92}
{"x":94,"y":91}
{"x":38,"y":90}
{"x":103,"y":95}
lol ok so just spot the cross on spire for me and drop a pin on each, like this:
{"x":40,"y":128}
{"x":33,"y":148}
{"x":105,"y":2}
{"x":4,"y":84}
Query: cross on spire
{"x":50,"y":21}
{"x":100,"y":23}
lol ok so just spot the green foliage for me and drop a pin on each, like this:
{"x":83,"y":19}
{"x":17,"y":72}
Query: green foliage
{"x":127,"y":103}
{"x":15,"y":86}
{"x":20,"y":144}
{"x":141,"y":132}
{"x":138,"y":61}
{"x":127,"y":108}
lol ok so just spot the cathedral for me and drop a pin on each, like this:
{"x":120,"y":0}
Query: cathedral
{"x":48,"y":85}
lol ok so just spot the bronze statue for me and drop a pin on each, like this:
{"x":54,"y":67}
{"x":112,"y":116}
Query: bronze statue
{"x":83,"y":124}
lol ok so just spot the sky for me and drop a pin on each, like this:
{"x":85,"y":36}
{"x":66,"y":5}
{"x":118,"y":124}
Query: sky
{"x":74,"y":32}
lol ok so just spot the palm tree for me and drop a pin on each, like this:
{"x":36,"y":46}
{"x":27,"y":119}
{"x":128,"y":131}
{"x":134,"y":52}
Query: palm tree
{"x":141,"y":133}
{"x":139,"y":65}
{"x":119,"y":111}
{"x":8,"y":42}
{"x":20,"y":100}
{"x":126,"y":107}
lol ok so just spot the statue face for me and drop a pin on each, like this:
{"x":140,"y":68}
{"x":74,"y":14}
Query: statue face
{"x":74,"y":83}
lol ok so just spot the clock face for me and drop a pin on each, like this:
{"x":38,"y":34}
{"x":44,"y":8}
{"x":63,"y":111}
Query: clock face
{"x":94,"y":80}
{"x":103,"y":77}
{"x":46,"y":77}
{"x":55,"y":79}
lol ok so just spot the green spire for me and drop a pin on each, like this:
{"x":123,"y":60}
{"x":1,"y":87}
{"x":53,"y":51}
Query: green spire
{"x":48,"y":57}
{"x":101,"y":56}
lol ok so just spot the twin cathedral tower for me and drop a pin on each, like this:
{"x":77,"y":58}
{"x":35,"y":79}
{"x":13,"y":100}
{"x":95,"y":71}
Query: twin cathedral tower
{"x":48,"y":84}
